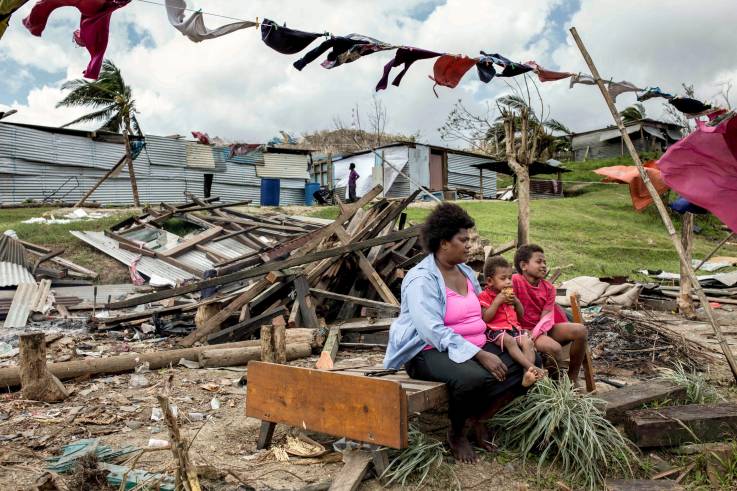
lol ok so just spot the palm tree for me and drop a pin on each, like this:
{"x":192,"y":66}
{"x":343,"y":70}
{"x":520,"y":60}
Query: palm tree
{"x":113,"y":103}
{"x":633,"y":113}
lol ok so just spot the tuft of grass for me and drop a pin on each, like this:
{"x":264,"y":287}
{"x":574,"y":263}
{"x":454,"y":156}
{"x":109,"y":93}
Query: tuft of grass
{"x":698,"y":388}
{"x":423,"y":459}
{"x":564,"y":427}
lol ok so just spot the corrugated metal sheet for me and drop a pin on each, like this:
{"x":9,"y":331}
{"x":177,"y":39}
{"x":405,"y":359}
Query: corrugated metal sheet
{"x":462,"y":174}
{"x":284,"y":165}
{"x":147,"y":266}
{"x":23,"y":300}
{"x":401,"y":187}
{"x":11,"y":250}
{"x":200,"y":156}
{"x":12,"y":274}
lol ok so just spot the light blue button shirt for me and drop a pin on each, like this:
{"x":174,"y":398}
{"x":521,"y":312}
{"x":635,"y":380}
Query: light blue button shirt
{"x":421,"y":317}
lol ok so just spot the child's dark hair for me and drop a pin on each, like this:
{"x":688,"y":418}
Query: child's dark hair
{"x":352,"y":166}
{"x":492,"y":264}
{"x":524,"y":254}
{"x":446,"y":220}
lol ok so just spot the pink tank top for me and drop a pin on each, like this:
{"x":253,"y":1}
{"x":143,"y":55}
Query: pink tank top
{"x":463,"y":315}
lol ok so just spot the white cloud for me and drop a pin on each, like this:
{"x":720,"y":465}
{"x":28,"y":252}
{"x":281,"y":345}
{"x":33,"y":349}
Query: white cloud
{"x":238,"y":88}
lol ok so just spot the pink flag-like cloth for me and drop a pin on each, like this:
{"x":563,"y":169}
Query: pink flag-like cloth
{"x":94,"y":26}
{"x":702,"y":168}
{"x":545,"y":324}
{"x":547,"y":75}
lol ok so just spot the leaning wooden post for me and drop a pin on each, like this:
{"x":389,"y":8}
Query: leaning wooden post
{"x":37,"y":382}
{"x":104,"y":178}
{"x":685,"y":302}
{"x":688,"y":267}
{"x":186,"y":476}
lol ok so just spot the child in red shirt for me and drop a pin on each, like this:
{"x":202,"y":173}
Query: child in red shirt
{"x":547,"y":322}
{"x":500,"y":310}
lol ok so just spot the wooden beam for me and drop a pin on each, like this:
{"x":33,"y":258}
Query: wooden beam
{"x":265,"y":268}
{"x":368,"y":269}
{"x":240,"y":331}
{"x":634,"y":396}
{"x":675,"y":425}
{"x":588,"y":366}
{"x":306,"y":306}
{"x":356,"y":300}
{"x":309,"y":241}
{"x":104,"y":178}
{"x":366,"y":409}
{"x":350,"y":477}
{"x":366,"y":325}
{"x":192,"y":241}
{"x":330,"y":350}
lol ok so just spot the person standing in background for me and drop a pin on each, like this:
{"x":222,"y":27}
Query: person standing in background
{"x":352,"y":178}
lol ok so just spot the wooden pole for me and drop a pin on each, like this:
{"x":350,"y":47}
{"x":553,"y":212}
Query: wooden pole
{"x":685,"y":304}
{"x":267,"y":343}
{"x":129,"y":155}
{"x":104,"y":178}
{"x":719,"y":246}
{"x":186,"y":477}
{"x":688,"y":267}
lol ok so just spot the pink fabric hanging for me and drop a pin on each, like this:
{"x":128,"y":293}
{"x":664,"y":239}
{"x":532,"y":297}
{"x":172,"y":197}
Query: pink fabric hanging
{"x":450,"y":69}
{"x":547,"y":75}
{"x":94,"y":26}
{"x":702,"y":167}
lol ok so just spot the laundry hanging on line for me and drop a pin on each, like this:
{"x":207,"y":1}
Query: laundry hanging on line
{"x":702,"y":168}
{"x":94,"y":25}
{"x":651,"y":92}
{"x":486,"y":70}
{"x":339,"y":47}
{"x":8,"y":8}
{"x":688,"y":105}
{"x":406,"y":55}
{"x":284,"y":39}
{"x":581,"y":78}
{"x":682,"y":205}
{"x":448,"y":70}
{"x":617,"y":88}
{"x":630,"y":175}
{"x":194,"y":28}
{"x":547,"y":75}
{"x":238,"y":149}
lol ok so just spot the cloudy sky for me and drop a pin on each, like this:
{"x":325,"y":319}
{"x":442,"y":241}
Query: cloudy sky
{"x":238,"y":88}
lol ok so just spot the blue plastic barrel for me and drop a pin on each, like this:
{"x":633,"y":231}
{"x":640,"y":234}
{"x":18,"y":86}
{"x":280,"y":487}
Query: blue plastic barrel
{"x":269,"y":192}
{"x":310,"y":189}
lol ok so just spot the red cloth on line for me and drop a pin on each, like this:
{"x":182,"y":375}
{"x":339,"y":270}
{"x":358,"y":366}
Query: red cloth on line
{"x":203,"y":138}
{"x":449,"y":70}
{"x":534,"y":300}
{"x":94,"y":25}
{"x":702,"y":167}
{"x":547,"y":75}
{"x":628,"y":174}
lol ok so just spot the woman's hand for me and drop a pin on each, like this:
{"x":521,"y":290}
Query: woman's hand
{"x":493,"y":364}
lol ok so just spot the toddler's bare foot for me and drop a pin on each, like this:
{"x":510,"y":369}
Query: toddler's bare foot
{"x":530,"y":377}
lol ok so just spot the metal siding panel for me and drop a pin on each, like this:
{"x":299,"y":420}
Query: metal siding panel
{"x":20,"y":308}
{"x":461,"y":173}
{"x":12,"y":274}
{"x":284,"y":165}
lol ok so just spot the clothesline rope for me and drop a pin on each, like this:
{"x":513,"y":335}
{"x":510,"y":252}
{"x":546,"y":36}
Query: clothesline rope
{"x":198,"y":10}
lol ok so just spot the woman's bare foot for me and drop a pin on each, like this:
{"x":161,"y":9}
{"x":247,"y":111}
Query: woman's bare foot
{"x":479,"y":435}
{"x":461,"y":448}
{"x":530,"y":377}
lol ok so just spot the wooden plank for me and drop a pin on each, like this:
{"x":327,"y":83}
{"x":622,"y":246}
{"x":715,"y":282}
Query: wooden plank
{"x":675,"y":425}
{"x":329,"y":350}
{"x":588,"y":367}
{"x":642,"y":485}
{"x":430,"y":397}
{"x":311,"y":240}
{"x":366,"y":325}
{"x":192,"y":241}
{"x":634,"y":396}
{"x":265,"y":268}
{"x":356,"y":300}
{"x":368,"y":269}
{"x":242,"y":330}
{"x":306,"y":306}
{"x":365,"y":409}
{"x":356,"y":465}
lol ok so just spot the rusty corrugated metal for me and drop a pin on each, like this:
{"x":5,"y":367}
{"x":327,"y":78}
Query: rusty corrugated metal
{"x":25,"y":295}
{"x":12,"y":274}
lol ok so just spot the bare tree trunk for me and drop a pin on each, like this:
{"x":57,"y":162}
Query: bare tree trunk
{"x":129,"y":156}
{"x":37,"y":382}
{"x":685,"y":302}
{"x":523,"y":205}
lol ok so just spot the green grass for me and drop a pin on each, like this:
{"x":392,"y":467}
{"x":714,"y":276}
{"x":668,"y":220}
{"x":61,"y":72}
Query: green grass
{"x":56,"y":236}
{"x":597,"y":231}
